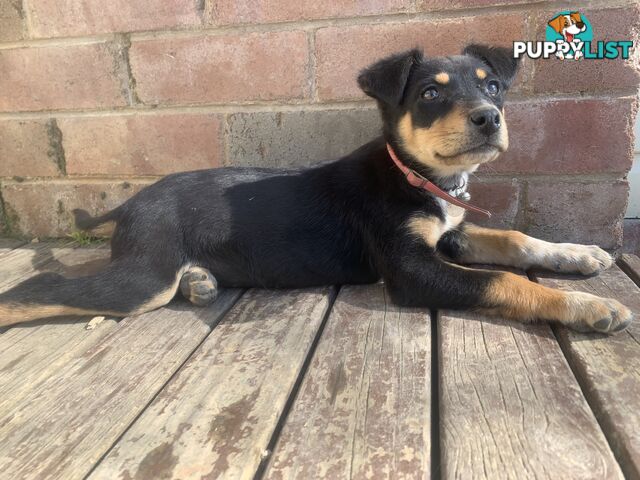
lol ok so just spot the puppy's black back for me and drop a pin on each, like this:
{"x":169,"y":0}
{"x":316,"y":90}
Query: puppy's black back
{"x":262,"y":227}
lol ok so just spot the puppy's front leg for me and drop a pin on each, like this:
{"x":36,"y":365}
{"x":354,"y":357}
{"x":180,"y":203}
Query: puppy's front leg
{"x":420,"y":281}
{"x":515,"y":249}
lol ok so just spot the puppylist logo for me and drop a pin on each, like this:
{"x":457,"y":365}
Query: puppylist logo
{"x":569,"y":36}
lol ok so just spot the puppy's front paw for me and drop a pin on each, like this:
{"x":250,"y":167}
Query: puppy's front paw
{"x":199,"y":286}
{"x":588,"y":313}
{"x":584,"y":259}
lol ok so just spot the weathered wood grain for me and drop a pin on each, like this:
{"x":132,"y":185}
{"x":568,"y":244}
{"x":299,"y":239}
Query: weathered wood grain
{"x":216,"y":417}
{"x":21,"y":263}
{"x":65,"y":260}
{"x":510,"y":406}
{"x":363,"y":410}
{"x":70,"y":419}
{"x":8,"y":244}
{"x":630,"y":264}
{"x":31,"y":352}
{"x":608,"y":367}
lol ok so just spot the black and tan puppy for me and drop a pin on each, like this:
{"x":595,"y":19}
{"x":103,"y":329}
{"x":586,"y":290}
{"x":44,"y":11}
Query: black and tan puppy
{"x":351,"y":221}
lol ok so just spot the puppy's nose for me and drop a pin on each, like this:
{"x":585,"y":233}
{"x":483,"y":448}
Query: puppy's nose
{"x":580,"y":25}
{"x":485,"y":120}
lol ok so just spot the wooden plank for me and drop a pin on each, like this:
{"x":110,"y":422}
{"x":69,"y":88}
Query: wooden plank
{"x":25,"y":263}
{"x":608,"y":367}
{"x":216,"y":417}
{"x":630,"y":264}
{"x":29,"y":352}
{"x":363,"y":410}
{"x":22,"y":263}
{"x":68,"y":421}
{"x":8,"y":244}
{"x":510,"y":406}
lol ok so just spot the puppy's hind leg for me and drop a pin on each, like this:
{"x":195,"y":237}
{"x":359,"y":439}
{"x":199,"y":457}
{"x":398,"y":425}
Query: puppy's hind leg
{"x":199,"y":286}
{"x":125,"y":287}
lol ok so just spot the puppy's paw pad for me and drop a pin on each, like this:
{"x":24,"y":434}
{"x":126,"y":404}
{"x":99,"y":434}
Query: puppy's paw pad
{"x":199,"y":286}
{"x":604,"y":315}
{"x":602,"y":325}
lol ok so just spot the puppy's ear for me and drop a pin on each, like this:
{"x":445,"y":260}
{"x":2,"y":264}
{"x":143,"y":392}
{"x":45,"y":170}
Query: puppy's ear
{"x":386,"y":79}
{"x":499,"y":59}
{"x":557,"y":23}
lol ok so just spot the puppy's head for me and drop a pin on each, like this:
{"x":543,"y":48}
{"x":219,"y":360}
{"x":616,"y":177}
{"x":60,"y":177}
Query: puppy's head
{"x":570,"y":24}
{"x":447,"y":112}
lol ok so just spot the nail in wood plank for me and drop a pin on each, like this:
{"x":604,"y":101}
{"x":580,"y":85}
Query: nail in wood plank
{"x":216,"y":417}
{"x":363,"y":410}
{"x":608,"y":367}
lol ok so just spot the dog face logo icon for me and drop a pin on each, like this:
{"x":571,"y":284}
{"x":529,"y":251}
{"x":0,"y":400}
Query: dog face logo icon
{"x":570,"y":28}
{"x":569,"y":35}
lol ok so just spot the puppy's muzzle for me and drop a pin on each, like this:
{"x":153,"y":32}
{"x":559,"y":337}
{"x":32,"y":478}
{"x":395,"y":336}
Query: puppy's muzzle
{"x":485,"y":120}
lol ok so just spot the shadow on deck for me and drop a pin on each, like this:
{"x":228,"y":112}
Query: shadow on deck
{"x":318,"y":383}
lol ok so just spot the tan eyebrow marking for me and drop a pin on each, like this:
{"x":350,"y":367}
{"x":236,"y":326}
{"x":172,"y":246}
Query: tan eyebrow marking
{"x":482,"y":74}
{"x":442,"y":78}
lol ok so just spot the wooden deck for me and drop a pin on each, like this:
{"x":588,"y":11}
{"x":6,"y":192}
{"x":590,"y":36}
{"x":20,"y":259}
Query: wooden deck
{"x":321,"y":383}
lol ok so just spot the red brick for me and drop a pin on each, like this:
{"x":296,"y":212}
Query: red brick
{"x":263,"y":11}
{"x":555,"y":75}
{"x":53,"y":18}
{"x":11,"y":20}
{"x":44,"y":209}
{"x":42,"y":78}
{"x":588,"y":213}
{"x":141,"y":144}
{"x":343,"y":51}
{"x":501,"y":199}
{"x":26,"y":149}
{"x":230,"y":68}
{"x":568,"y":136}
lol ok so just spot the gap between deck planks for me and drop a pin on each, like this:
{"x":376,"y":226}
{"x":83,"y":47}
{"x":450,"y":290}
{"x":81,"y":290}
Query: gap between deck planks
{"x":608,"y":367}
{"x":66,"y":423}
{"x":510,"y":406}
{"x":516,"y":364}
{"x":216,"y":417}
{"x":630,"y":264}
{"x":25,"y":262}
{"x":64,"y":412}
{"x":30,"y":352}
{"x":363,"y":409}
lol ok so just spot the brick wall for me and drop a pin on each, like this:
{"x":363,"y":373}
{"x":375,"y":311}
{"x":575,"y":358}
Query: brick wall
{"x":98,"y":99}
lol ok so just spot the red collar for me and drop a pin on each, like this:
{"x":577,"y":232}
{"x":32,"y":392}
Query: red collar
{"x":417,"y":180}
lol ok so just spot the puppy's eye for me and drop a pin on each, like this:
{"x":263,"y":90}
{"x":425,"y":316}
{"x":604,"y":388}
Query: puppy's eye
{"x":430,"y":93}
{"x":493,"y":88}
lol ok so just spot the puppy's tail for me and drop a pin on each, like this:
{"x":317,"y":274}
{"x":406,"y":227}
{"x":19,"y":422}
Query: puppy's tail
{"x":84,"y":220}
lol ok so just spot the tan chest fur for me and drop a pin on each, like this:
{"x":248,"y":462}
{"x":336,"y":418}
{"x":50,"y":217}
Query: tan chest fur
{"x":431,"y":228}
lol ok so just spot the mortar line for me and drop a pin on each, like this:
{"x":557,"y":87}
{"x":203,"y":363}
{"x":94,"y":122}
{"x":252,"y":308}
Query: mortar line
{"x":292,"y":106}
{"x":353,"y":20}
{"x":27,"y":26}
{"x":313,"y":67}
